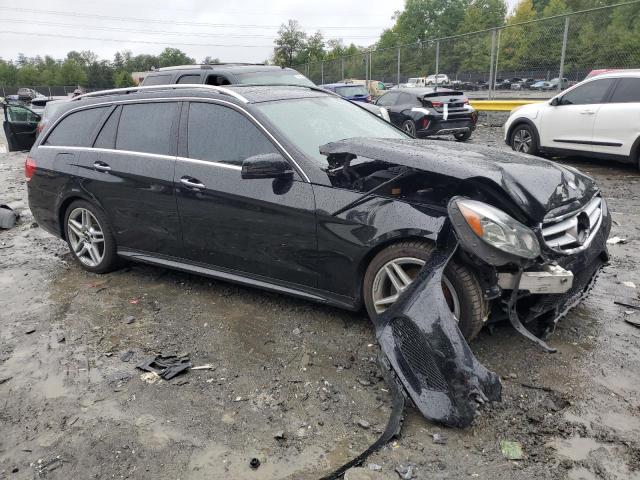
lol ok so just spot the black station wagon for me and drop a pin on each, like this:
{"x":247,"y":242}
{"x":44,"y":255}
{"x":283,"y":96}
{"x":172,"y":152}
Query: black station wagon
{"x":295,"y":190}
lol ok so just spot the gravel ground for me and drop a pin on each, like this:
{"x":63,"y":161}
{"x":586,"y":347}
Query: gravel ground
{"x":291,"y":381}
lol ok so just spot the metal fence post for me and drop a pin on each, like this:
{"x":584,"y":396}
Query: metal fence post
{"x":437,"y":61}
{"x":342,"y":68}
{"x":493,"y":56}
{"x":564,"y":50}
{"x":321,"y":72}
{"x":495,"y":70}
{"x":370,"y":62}
{"x":398,"y":82}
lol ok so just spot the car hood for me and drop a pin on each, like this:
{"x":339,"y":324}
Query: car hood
{"x":538,"y":187}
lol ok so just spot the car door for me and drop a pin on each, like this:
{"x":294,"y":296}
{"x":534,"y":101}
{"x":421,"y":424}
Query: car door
{"x":568,"y":121}
{"x":617,"y":124}
{"x":129,"y":171}
{"x":20,"y":127}
{"x":259,"y":227}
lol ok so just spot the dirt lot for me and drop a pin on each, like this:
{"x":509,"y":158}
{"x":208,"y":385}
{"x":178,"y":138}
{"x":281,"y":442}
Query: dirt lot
{"x":73,"y":406}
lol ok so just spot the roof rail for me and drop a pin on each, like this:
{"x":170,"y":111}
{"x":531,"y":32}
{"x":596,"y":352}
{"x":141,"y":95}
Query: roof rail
{"x":203,"y":66}
{"x":182,"y":86}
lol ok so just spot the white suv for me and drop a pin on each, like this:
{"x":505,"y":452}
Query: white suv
{"x":599,"y":117}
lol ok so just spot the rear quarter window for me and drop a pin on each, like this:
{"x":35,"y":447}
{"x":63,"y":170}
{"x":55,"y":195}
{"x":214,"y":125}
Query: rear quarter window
{"x":157,"y":80}
{"x":76,"y":129}
{"x":627,"y":91}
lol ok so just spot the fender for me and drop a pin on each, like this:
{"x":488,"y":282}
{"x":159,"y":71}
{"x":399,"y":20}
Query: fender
{"x":520,"y":121}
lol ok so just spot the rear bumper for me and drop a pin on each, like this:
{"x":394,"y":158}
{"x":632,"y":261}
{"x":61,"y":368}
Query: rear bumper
{"x":438,"y":126}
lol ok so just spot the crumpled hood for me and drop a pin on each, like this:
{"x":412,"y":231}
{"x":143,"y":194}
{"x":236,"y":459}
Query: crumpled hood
{"x":537,"y":186}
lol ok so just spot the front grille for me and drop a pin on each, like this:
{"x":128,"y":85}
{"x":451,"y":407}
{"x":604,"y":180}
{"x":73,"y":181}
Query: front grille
{"x":574,"y":232}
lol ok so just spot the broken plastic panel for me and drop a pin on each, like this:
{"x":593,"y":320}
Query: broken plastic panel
{"x":431,"y":358}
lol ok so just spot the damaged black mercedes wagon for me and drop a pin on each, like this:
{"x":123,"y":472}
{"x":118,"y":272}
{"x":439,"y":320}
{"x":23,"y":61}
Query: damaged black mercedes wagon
{"x":295,"y":190}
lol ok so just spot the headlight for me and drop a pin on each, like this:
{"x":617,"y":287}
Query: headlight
{"x":384,"y":113}
{"x":498,"y":229}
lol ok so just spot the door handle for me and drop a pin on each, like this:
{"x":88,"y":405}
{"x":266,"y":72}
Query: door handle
{"x":101,"y":167}
{"x":191,"y":182}
{"x":587,"y":112}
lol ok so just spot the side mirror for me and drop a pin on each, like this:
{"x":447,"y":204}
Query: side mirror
{"x":555,"y":101}
{"x":267,"y":165}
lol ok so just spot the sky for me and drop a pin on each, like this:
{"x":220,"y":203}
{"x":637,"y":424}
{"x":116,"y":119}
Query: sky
{"x":241,"y":31}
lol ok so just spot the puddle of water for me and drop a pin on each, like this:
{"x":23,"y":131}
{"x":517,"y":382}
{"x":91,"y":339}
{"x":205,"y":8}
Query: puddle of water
{"x":576,"y":448}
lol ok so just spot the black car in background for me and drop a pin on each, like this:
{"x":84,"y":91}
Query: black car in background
{"x":296,"y":190}
{"x":423,"y":112}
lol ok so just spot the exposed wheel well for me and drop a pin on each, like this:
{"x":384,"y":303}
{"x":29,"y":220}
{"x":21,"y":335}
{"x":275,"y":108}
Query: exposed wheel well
{"x":62,"y":211}
{"x":523,"y":121}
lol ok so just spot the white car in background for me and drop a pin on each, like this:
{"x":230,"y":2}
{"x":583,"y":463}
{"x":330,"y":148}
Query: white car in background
{"x":599,"y":117}
{"x":440,"y":79}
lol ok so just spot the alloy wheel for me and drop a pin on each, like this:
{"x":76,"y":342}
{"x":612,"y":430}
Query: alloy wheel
{"x":409,"y":127}
{"x":522,"y":141}
{"x":86,"y":237}
{"x":396,"y":275}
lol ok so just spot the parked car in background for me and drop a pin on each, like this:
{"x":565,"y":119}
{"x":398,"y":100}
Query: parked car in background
{"x":20,"y":126}
{"x":226,"y":74}
{"x":565,"y":83}
{"x":523,"y":84}
{"x":374,"y":87}
{"x":27,"y":94}
{"x":599,"y":117}
{"x":422,"y":112}
{"x":416,"y":82}
{"x":49,"y":111}
{"x":350,"y":91}
{"x":439,"y":79}
{"x":542,"y":85}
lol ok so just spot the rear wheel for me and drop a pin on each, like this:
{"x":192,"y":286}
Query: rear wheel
{"x":523,"y":139}
{"x":409,"y":126}
{"x":89,"y":237}
{"x":395,"y":267}
{"x":462,"y":137}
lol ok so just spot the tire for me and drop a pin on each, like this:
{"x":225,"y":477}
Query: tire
{"x":471,"y":305}
{"x":89,"y":237}
{"x":409,"y":126}
{"x":523,"y":139}
{"x":462,"y":137}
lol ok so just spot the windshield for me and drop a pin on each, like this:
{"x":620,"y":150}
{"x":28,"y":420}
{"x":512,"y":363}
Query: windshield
{"x":352,"y":90}
{"x":309,"y":123}
{"x":274,"y":77}
{"x":413,"y":80}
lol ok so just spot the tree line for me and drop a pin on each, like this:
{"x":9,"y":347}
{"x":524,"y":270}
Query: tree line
{"x":86,"y":69}
{"x":602,"y":39}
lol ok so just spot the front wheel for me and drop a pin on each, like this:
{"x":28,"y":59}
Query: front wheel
{"x":89,"y":237}
{"x":523,"y":139}
{"x":395,"y":267}
{"x":463,"y":136}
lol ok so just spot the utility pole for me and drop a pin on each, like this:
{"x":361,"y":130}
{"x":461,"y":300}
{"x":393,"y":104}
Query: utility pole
{"x":564,"y":51}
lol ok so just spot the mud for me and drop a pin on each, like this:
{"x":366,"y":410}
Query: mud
{"x":70,"y":407}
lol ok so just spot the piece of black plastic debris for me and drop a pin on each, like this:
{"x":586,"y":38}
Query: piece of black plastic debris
{"x":29,"y":331}
{"x":628,"y":305}
{"x":61,"y":338}
{"x":8,"y":217}
{"x":15,"y":470}
{"x":421,"y":340}
{"x":167,"y":367}
{"x":393,"y":424}
{"x":254,"y":463}
{"x":633,"y":321}
{"x":5,"y":379}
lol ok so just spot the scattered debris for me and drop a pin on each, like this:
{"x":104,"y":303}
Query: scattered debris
{"x":406,"y":472}
{"x":167,"y":367}
{"x":254,"y":463}
{"x":207,"y":366}
{"x":628,"y":305}
{"x":126,"y":356}
{"x":8,"y":217}
{"x":296,"y":331}
{"x":5,"y":379}
{"x":616,"y":240}
{"x":29,"y":331}
{"x":511,"y":450}
{"x":279,"y":435}
{"x":150,"y":377}
{"x":60,"y":338}
{"x":439,"y":439}
{"x":633,"y":321}
{"x":629,"y":284}
{"x":43,"y":467}
{"x":363,"y":423}
{"x":363,"y":382}
{"x":129,"y":319}
{"x":375,"y":467}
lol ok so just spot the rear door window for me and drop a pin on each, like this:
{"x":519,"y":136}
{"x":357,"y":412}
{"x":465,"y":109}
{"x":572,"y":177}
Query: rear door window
{"x":221,"y":134}
{"x":588,"y":94}
{"x":627,"y":91}
{"x":388,"y":99}
{"x":107,"y":136}
{"x":147,"y":127}
{"x":189,"y":79}
{"x":157,"y":80}
{"x":76,"y":129}
{"x":406,"y":99}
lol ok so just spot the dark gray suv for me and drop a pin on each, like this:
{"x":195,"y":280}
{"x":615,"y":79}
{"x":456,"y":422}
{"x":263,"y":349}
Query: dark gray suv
{"x":226,"y":74}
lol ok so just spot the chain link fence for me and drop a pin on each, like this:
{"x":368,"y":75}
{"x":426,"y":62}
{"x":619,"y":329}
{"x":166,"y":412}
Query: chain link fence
{"x":48,"y":91}
{"x":534,"y":59}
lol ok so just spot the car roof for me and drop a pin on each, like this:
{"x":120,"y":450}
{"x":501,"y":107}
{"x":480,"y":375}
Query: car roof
{"x":343,"y":84}
{"x":232,"y":67}
{"x":618,"y":74}
{"x":423,"y":90}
